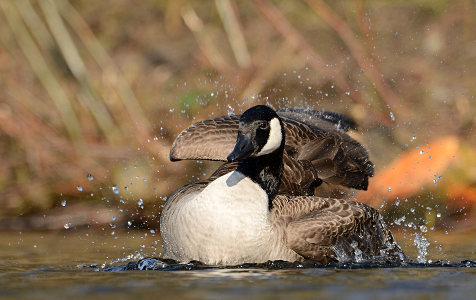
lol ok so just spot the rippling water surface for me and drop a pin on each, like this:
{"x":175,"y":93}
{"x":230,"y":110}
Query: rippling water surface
{"x":76,"y":264}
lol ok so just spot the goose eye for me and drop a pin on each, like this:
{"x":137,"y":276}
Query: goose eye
{"x":263,"y":125}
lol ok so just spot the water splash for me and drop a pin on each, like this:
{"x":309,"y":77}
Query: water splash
{"x":422,"y":246}
{"x":357,"y":252}
{"x":149,"y":263}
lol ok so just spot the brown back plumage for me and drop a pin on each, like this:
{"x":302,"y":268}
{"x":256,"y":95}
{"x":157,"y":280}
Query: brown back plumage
{"x":326,"y":230}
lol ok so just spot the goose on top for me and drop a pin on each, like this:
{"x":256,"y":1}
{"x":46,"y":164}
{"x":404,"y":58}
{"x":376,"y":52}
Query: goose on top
{"x":240,"y":216}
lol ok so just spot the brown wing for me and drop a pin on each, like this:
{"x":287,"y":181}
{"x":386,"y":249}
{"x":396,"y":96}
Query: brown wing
{"x":209,"y":140}
{"x":335,"y":157}
{"x":324,"y":229}
{"x":338,"y":159}
{"x":317,"y":118}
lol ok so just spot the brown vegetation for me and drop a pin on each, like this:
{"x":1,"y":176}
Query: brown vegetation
{"x":103,"y":88}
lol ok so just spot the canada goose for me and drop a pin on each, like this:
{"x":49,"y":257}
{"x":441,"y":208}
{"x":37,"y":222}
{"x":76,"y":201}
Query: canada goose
{"x":317,"y":149}
{"x":239,"y":217}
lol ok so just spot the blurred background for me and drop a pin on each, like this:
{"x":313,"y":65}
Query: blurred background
{"x":93,"y":94}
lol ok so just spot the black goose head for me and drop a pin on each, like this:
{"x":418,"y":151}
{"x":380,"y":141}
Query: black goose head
{"x":260,"y":132}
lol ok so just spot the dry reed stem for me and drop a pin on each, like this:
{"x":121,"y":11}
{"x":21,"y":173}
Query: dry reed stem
{"x":121,"y":86}
{"x":371,"y":69}
{"x":77,"y":67}
{"x":42,"y":71}
{"x":294,"y":38}
{"x":268,"y":70}
{"x":206,"y":45}
{"x":234,"y":31}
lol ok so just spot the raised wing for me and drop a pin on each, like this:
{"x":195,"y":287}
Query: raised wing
{"x":210,"y":140}
{"x":318,"y":118}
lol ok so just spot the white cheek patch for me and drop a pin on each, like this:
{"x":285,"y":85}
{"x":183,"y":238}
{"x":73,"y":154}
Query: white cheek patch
{"x":274,"y":139}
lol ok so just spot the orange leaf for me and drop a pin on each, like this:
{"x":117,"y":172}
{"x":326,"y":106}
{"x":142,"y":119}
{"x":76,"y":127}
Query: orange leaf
{"x":408,"y":173}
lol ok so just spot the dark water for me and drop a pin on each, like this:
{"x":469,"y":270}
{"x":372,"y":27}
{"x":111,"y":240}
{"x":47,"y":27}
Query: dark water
{"x":72,"y":265}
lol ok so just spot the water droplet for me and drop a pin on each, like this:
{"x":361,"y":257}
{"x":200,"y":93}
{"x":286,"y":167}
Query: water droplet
{"x":113,"y":219}
{"x":230,"y":110}
{"x":438,"y":215}
{"x":423,"y":228}
{"x":400,"y":220}
{"x":115,"y":190}
{"x":67,"y":225}
{"x":422,"y":152}
{"x":80,"y":188}
{"x":397,"y":203}
{"x":389,"y":189}
{"x":392,"y":116}
{"x":63,"y":203}
{"x":129,"y":223}
{"x":140,"y":202}
{"x":90,"y":177}
{"x":152,"y":231}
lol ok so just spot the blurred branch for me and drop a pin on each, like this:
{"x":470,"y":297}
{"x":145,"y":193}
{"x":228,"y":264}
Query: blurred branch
{"x":269,"y":70}
{"x":368,"y":66}
{"x":294,"y":37}
{"x":363,"y":20}
{"x":234,"y":31}
{"x":195,"y":24}
{"x":42,"y":71}
{"x":34,"y":23}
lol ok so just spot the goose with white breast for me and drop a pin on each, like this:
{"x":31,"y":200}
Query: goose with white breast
{"x":240,"y":217}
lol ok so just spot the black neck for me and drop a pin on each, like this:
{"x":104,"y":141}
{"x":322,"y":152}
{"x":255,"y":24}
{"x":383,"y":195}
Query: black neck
{"x":265,"y":170}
